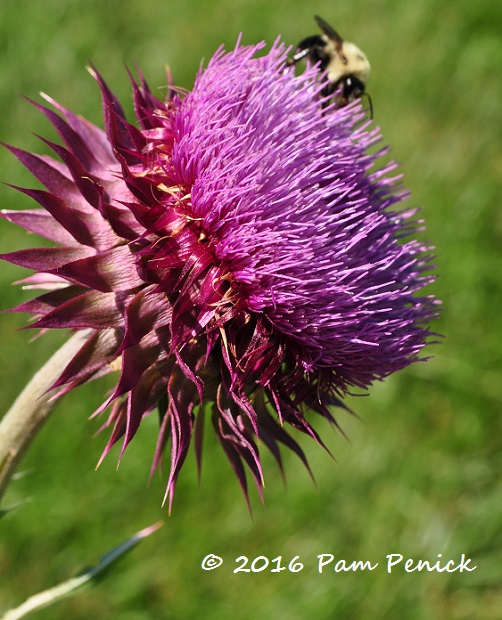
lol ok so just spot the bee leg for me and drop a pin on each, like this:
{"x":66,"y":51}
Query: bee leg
{"x":298,"y":57}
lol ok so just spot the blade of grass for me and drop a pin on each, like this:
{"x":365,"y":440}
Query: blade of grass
{"x":88,"y":577}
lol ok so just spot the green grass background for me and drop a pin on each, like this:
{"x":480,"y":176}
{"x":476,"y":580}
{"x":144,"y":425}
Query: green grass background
{"x":421,"y":473}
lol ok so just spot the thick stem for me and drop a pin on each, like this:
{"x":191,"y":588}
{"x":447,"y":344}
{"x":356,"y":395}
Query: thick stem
{"x":31,"y":409}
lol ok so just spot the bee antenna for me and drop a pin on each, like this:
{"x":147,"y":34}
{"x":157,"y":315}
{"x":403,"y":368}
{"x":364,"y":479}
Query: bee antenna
{"x":371,"y":104}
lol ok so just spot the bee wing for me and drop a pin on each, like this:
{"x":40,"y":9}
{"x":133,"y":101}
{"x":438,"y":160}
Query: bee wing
{"x":329,"y":31}
{"x":333,"y":36}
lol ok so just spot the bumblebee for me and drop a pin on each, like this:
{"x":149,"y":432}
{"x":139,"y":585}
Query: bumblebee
{"x":346,"y":66}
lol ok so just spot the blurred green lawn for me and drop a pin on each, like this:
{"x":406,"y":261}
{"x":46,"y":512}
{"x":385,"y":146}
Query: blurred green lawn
{"x":421,"y":474}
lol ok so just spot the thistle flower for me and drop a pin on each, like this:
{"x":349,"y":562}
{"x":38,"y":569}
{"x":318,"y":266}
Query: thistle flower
{"x":237,"y":252}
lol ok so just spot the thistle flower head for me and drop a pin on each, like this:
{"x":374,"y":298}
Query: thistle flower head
{"x":236,"y":252}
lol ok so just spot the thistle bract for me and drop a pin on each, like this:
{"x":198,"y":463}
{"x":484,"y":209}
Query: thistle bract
{"x":235,"y":252}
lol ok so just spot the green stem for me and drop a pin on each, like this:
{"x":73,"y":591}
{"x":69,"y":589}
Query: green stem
{"x":31,"y":409}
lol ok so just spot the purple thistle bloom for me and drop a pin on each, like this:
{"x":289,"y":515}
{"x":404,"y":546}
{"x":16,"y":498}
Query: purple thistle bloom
{"x":239,"y":248}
